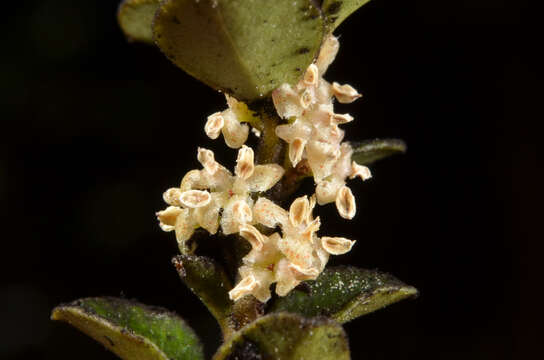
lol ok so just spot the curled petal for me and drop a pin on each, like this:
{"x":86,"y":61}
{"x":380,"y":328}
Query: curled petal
{"x":244,"y":287}
{"x":264,"y":177}
{"x":207,"y":159}
{"x":191,"y":180}
{"x":341,"y":118}
{"x":172,"y":196}
{"x":298,"y":212}
{"x":242,"y":212}
{"x":185,"y":227}
{"x":195,"y":198}
{"x":208,"y":216}
{"x":263,"y":277}
{"x":304,"y":274}
{"x":359,"y":170}
{"x":345,"y":94}
{"x":312,"y":228}
{"x":269,"y":214}
{"x":311,"y":205}
{"x":311,"y":76}
{"x":345,"y":203}
{"x":328,"y":52}
{"x":167,"y":218}
{"x":296,"y":149}
{"x":321,"y":158}
{"x":235,"y":134}
{"x":336,"y":245}
{"x":252,"y":235}
{"x":286,"y":280}
{"x":327,"y":190}
{"x":286,"y":101}
{"x":214,"y":125}
{"x":245,"y":163}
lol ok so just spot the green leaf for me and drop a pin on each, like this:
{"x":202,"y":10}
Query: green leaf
{"x":345,"y":293}
{"x":367,"y":152}
{"x":131,"y":330}
{"x":244,"y":48}
{"x":287,"y":337}
{"x":135,"y":18}
{"x":209,"y":282}
{"x":337,"y":11}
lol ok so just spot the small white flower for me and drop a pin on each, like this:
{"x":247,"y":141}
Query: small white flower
{"x":203,"y":193}
{"x":229,"y":122}
{"x":297,"y":255}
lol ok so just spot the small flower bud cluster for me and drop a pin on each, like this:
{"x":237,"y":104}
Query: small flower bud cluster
{"x":314,"y":134}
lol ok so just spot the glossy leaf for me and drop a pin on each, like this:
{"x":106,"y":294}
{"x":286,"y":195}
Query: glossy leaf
{"x":287,"y":337}
{"x":131,"y":330}
{"x":209,"y":282}
{"x":344,"y":293}
{"x":337,"y":11}
{"x":244,"y":48}
{"x":370,"y":151}
{"x":135,"y":18}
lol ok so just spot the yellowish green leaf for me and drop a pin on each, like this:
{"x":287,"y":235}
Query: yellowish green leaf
{"x":136,"y":17}
{"x":287,"y":337}
{"x":344,"y":293}
{"x":131,"y":330}
{"x":244,"y":48}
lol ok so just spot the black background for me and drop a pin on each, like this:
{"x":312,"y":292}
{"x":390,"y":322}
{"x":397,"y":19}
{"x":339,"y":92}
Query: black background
{"x":94,"y":129}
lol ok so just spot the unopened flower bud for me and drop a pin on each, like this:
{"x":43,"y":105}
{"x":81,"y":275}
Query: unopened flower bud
{"x":359,"y":170}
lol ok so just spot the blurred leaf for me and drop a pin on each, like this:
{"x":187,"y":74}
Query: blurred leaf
{"x":209,"y":282}
{"x":337,"y":11}
{"x":367,"y":152}
{"x":287,"y":337}
{"x":132,"y":330}
{"x":244,"y":48}
{"x":136,"y":17}
{"x":345,"y":293}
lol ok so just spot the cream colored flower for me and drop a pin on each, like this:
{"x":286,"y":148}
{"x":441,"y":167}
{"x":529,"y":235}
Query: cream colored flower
{"x":313,"y":132}
{"x":229,"y":123}
{"x":297,"y":255}
{"x":204,"y":193}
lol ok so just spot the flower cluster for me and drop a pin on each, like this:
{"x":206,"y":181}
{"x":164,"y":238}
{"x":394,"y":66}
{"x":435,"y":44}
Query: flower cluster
{"x":213,"y":198}
{"x":204,"y":193}
{"x":313,"y":131}
{"x":296,"y":255}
